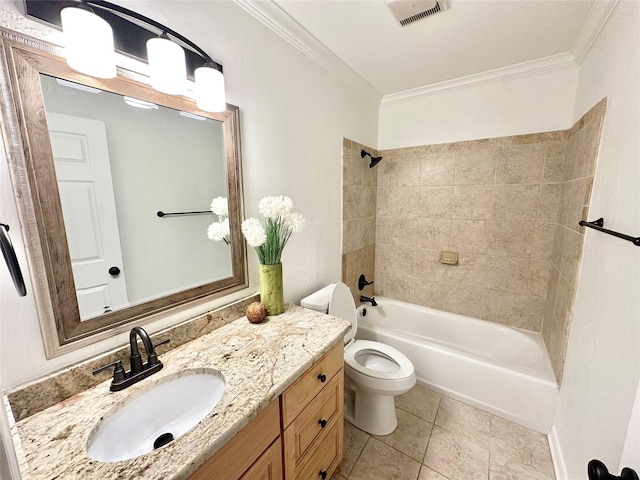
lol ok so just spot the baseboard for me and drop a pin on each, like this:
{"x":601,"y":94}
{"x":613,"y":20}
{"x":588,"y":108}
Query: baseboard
{"x":556,"y":455}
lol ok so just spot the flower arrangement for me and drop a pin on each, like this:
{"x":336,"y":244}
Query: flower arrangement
{"x":219,"y":230}
{"x":270,"y":236}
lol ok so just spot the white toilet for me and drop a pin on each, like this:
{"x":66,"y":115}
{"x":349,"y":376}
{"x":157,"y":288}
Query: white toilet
{"x":374,"y":372}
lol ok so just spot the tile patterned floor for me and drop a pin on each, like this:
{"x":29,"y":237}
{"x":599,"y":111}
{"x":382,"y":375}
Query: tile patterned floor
{"x":439,"y":438}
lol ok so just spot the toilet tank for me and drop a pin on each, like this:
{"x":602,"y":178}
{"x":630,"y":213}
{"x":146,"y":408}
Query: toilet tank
{"x":319,"y":300}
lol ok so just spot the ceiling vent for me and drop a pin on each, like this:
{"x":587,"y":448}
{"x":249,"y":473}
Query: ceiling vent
{"x":408,"y":11}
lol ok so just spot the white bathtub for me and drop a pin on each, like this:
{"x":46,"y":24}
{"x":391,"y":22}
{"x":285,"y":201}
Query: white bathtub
{"x":502,"y":370}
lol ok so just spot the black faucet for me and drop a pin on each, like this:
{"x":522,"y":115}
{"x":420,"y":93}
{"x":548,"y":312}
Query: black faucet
{"x":139,"y":370}
{"x":371,"y":300}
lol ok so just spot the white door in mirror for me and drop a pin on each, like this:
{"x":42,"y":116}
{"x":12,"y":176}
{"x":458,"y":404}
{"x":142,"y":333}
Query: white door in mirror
{"x":83,"y":170}
{"x":156,"y":418}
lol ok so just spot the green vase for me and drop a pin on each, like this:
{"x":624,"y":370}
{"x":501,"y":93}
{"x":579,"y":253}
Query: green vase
{"x":271,"y":294}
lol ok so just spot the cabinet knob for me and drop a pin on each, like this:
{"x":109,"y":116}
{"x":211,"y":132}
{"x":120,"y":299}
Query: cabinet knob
{"x":323,"y":423}
{"x":322,"y":378}
{"x":323,"y":474}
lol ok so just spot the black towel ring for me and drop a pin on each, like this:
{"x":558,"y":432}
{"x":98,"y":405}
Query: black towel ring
{"x":12,"y":261}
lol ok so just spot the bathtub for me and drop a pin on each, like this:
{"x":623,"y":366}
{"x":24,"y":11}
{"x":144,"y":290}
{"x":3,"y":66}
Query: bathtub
{"x":502,"y":370}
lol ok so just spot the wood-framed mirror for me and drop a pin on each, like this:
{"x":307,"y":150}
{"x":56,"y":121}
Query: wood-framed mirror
{"x":167,"y":156}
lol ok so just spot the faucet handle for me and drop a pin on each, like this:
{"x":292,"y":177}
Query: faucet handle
{"x":118,"y":371}
{"x":152,"y":358}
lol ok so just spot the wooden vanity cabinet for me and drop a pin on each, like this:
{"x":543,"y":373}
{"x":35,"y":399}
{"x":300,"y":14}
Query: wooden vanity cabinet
{"x":313,"y":419}
{"x":250,"y":454}
{"x":299,"y":435}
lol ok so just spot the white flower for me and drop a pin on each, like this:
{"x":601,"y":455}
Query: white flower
{"x":254,"y":232}
{"x":220,"y":207}
{"x":295,"y":222}
{"x":273,"y":207}
{"x":218,"y":230}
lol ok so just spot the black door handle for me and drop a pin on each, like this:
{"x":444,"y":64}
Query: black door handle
{"x":10,"y":258}
{"x":598,"y":471}
{"x":114,"y":271}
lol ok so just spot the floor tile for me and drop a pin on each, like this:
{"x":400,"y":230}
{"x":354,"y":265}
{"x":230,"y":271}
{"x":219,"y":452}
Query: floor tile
{"x":379,"y":461}
{"x":455,"y":415}
{"x":354,"y":441}
{"x":427,"y":474}
{"x":518,"y":453}
{"x":410,"y":437}
{"x":458,"y":456}
{"x":420,"y":402}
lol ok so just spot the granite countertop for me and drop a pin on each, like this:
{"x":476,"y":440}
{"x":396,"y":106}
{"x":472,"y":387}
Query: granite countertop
{"x":258,"y":363}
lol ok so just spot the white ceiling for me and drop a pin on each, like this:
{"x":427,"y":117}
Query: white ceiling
{"x":468,"y":38}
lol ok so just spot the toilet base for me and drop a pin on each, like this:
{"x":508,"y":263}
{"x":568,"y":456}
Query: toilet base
{"x":372,"y":413}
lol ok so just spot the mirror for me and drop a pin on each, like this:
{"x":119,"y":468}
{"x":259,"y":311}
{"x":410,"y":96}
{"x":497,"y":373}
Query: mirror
{"x":115,"y":181}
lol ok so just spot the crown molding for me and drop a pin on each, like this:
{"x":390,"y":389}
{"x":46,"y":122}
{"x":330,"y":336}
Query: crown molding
{"x":534,"y":67}
{"x":595,"y":22}
{"x":276,"y":19}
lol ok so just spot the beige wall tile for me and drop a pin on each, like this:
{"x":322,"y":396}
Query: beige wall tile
{"x":437,"y":168}
{"x":580,"y":196}
{"x":432,"y":234}
{"x":571,"y":255}
{"x":543,"y":241}
{"x":549,"y":203}
{"x":429,"y":293}
{"x":470,"y":236}
{"x":565,"y":198}
{"x":382,"y":202}
{"x":515,"y":203}
{"x":470,"y":270}
{"x":507,"y":274}
{"x":510,"y":239}
{"x":356,"y":263}
{"x":435,"y":202}
{"x":520,"y":163}
{"x":539,"y":278}
{"x":558,"y":243}
{"x":403,"y":202}
{"x":472,"y":202}
{"x":555,"y":157}
{"x":475,"y":167}
{"x":352,"y":168}
{"x":533,"y":314}
{"x":405,"y":172}
{"x":572,"y":154}
{"x":428,"y":267}
{"x":503,"y":307}
{"x":464,"y":299}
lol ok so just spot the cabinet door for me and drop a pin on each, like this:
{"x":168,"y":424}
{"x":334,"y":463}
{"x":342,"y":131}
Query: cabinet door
{"x":268,"y":466}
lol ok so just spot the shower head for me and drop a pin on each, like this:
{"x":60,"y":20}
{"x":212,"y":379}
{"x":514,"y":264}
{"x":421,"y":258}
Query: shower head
{"x":374,"y":160}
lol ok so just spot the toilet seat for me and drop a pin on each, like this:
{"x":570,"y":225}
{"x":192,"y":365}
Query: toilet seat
{"x":354,"y":351}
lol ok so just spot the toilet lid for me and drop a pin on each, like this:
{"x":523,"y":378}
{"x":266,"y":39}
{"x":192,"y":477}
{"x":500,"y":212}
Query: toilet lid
{"x":361,"y":356}
{"x":341,"y":305}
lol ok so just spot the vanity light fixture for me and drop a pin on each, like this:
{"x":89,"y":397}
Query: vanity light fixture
{"x":95,"y":29}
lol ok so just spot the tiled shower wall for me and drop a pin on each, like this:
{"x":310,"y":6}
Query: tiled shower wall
{"x":358,"y":217}
{"x":509,"y":206}
{"x":494,"y":202}
{"x":582,"y":151}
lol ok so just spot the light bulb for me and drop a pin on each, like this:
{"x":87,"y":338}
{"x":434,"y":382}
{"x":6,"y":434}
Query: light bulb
{"x":167,"y":66}
{"x":88,"y":43}
{"x":210,"y":95}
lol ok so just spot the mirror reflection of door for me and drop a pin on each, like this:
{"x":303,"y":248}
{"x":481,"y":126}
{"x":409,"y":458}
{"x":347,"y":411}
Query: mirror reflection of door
{"x":83,"y":170}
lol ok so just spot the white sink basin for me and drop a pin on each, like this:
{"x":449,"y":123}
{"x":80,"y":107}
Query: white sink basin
{"x":173,"y":407}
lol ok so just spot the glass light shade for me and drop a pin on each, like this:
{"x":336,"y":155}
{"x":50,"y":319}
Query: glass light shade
{"x":88,"y":43}
{"x":167,"y":66}
{"x":210,"y":95}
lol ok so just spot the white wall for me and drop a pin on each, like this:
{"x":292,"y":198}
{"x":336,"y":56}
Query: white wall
{"x":294,"y":116}
{"x":538,"y":102}
{"x":602,"y":371}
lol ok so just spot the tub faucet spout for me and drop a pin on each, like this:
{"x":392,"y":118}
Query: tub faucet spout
{"x":371,"y":300}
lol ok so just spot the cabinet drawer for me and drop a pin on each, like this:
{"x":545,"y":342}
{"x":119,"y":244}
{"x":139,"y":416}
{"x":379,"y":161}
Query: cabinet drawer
{"x":237,"y":455}
{"x":298,"y":395}
{"x":268,"y":466}
{"x":314,"y":420}
{"x":326,"y":457}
